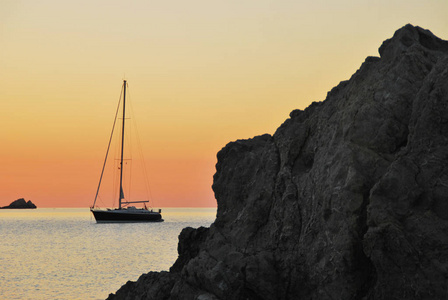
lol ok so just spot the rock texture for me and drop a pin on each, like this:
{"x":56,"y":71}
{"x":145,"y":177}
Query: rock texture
{"x":20,"y":203}
{"x":347,"y":200}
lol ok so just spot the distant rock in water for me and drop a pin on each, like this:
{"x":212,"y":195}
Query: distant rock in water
{"x":347,"y":200}
{"x":20,"y":203}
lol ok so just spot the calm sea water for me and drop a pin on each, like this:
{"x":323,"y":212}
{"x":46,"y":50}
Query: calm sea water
{"x":64,"y":254}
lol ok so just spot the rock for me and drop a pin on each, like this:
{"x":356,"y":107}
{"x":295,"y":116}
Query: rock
{"x":190,"y":243}
{"x":347,"y":200}
{"x":19,"y":204}
{"x":156,"y":286}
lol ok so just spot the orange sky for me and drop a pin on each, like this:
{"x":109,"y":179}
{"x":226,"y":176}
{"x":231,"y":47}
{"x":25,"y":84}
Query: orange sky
{"x":201,"y":74}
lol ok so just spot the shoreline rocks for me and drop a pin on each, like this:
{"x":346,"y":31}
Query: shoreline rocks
{"x":347,"y":200}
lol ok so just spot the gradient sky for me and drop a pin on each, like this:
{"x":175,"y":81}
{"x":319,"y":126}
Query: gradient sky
{"x":202,"y":73}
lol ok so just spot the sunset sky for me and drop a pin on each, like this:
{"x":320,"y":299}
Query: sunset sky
{"x":201,"y":73}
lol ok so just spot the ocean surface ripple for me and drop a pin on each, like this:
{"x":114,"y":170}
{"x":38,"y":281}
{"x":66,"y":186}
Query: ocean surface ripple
{"x":62,"y":253}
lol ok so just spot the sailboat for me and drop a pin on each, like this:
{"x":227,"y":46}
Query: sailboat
{"x":124,"y":212}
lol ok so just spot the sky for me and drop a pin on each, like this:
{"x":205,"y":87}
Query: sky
{"x":201,"y":73}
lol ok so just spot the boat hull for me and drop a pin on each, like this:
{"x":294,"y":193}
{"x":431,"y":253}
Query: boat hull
{"x":122,"y":215}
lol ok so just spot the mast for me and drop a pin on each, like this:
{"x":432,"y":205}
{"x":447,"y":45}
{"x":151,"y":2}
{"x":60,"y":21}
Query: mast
{"x":121,"y":196}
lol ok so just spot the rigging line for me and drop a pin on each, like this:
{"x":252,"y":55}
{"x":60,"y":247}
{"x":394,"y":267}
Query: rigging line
{"x":127,"y":165}
{"x":115,"y":189}
{"x":115,"y":192}
{"x":129,"y":157}
{"x":108,"y":147}
{"x":101,"y":201}
{"x":130,"y":164}
{"x":140,"y":148}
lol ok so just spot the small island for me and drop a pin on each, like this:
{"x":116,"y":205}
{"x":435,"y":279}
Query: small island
{"x":20,"y":204}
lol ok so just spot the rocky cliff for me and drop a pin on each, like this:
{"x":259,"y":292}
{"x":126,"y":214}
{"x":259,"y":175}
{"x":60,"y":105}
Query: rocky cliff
{"x":19,"y":204}
{"x":347,"y":200}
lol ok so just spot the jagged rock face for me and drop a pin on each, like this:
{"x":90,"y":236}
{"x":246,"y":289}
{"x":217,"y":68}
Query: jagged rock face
{"x":347,"y":200}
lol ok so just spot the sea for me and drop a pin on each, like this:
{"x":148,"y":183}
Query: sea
{"x":62,"y":253}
